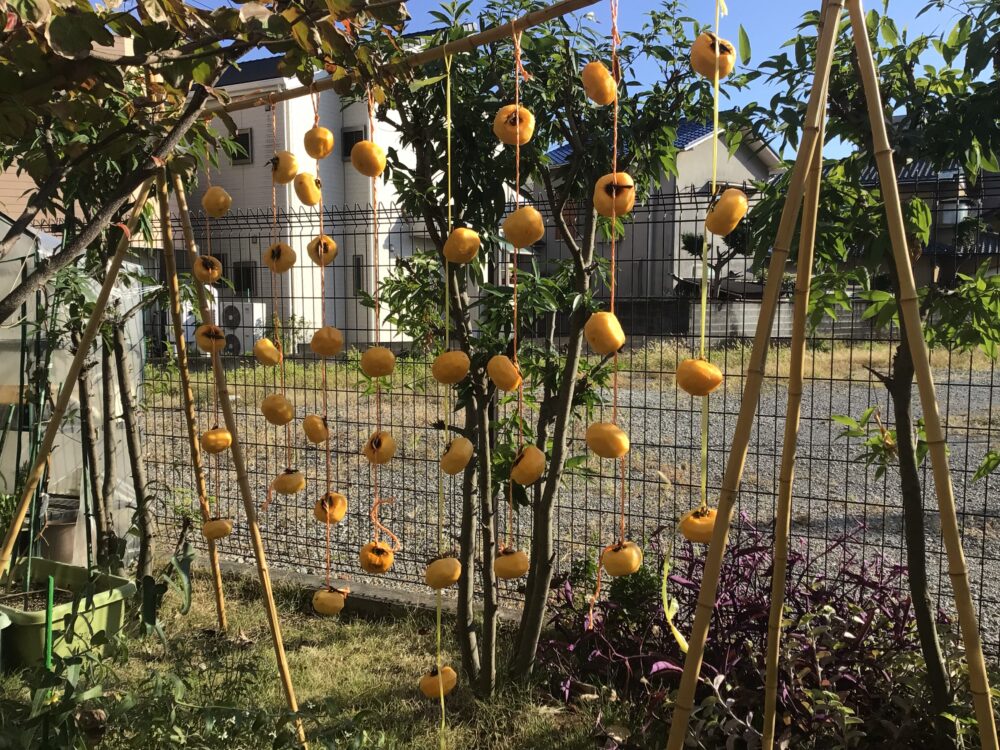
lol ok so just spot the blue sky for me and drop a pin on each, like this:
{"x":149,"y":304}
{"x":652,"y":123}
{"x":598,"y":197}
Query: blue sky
{"x":769,"y":23}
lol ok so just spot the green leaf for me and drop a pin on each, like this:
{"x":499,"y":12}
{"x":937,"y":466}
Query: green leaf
{"x":71,"y":35}
{"x":743,"y":41}
{"x":154,"y":10}
{"x":988,"y":465}
{"x":889,"y":32}
{"x":420,"y":83}
{"x":202,"y":72}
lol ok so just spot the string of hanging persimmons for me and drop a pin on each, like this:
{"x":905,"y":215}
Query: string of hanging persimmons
{"x":614,"y":197}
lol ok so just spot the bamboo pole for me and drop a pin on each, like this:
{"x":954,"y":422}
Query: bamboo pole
{"x":793,"y":410}
{"x":909,"y":308}
{"x":829,"y":23}
{"x":173,"y":291}
{"x":72,"y":376}
{"x":466,"y":44}
{"x":243,"y":481}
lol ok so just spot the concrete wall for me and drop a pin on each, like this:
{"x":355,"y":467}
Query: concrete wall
{"x":694,"y":174}
{"x":738,"y":320}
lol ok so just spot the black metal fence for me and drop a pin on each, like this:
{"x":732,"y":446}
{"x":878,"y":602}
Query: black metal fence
{"x":834,"y":494}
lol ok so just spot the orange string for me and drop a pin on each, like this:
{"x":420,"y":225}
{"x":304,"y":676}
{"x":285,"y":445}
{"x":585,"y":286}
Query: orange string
{"x":277,"y":297}
{"x":328,"y":549}
{"x":377,"y":525}
{"x":314,"y":95}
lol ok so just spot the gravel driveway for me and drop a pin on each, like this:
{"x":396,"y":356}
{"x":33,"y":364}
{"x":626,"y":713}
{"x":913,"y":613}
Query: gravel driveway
{"x":833,"y":494}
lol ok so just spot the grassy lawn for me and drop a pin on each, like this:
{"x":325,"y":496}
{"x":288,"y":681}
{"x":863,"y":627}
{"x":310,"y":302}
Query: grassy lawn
{"x":340,"y":667}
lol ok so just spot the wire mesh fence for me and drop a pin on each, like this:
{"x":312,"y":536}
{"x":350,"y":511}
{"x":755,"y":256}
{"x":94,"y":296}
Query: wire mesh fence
{"x":835,"y":495}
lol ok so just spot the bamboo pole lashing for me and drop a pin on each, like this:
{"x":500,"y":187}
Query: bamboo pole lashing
{"x":201,"y":487}
{"x":239,"y":465}
{"x":417,"y":60}
{"x":72,"y":376}
{"x":793,"y":410}
{"x":909,"y":309}
{"x":748,"y":406}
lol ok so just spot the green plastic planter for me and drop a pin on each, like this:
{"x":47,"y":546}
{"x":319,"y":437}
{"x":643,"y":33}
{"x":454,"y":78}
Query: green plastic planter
{"x":22,"y":642}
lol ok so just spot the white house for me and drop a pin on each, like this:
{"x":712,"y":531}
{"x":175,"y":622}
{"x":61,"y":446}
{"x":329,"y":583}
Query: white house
{"x":651,"y":258}
{"x":240,"y":239}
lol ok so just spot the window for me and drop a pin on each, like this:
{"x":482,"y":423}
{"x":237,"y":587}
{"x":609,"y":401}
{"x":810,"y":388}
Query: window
{"x":244,"y":274}
{"x":359,"y":275}
{"x":244,"y":144}
{"x":348,"y":137}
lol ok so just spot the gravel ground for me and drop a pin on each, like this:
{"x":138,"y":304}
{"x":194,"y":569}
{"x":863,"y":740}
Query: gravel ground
{"x":833,"y":494}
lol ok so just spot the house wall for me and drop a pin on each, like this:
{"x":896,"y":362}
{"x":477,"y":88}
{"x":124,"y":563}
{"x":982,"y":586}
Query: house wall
{"x":342,"y":185}
{"x":694,"y":175}
{"x":15,"y":189}
{"x":650,"y":254}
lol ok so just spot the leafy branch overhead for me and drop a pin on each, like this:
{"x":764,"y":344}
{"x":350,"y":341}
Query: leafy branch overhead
{"x":95,"y":99}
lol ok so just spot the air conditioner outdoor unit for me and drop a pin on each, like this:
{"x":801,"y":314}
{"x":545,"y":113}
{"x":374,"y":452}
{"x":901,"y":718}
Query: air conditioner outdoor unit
{"x":243,"y":321}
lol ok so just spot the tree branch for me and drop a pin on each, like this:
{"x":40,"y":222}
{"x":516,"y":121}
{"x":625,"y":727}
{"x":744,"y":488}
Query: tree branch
{"x":47,"y":268}
{"x":557,"y":205}
{"x":47,"y":190}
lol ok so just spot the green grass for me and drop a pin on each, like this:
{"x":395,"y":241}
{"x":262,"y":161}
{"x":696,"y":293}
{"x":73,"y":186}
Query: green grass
{"x":649,"y":366}
{"x":339,"y":666}
{"x":252,"y":381}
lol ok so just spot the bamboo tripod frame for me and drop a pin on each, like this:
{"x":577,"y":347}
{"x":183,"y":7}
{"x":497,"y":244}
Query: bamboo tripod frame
{"x":909,"y":310}
{"x":239,"y":464}
{"x":789,"y":444}
{"x":173,"y":291}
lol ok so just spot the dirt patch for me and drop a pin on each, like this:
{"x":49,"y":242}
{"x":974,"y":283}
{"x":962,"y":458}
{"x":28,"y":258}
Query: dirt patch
{"x":34,"y":601}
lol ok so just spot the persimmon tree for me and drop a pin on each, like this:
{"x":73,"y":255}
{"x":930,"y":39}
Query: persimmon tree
{"x":90,"y":123}
{"x":553,"y":293}
{"x":944,"y":114}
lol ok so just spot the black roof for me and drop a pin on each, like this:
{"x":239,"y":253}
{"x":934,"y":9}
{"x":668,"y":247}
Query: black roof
{"x":917,"y":170}
{"x":987,"y":243}
{"x":251,"y":70}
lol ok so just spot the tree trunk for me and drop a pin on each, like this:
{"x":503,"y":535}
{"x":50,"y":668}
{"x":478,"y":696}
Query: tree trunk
{"x":465,"y":621}
{"x":901,"y":391}
{"x":488,"y":673}
{"x":143,"y":511}
{"x":88,"y":442}
{"x":542,"y":542}
{"x":108,"y":463}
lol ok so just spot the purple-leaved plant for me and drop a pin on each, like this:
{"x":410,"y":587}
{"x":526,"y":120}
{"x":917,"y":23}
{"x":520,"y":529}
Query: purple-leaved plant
{"x":850,"y":660}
